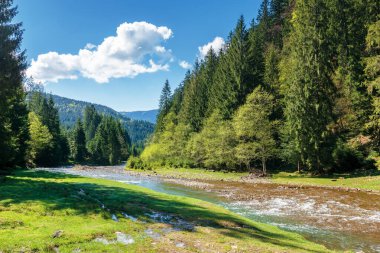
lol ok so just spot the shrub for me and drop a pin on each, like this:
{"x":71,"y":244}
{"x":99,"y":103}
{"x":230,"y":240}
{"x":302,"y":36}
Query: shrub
{"x":347,"y":159}
{"x":136,"y":163}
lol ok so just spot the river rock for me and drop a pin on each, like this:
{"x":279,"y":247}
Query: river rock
{"x":57,"y":234}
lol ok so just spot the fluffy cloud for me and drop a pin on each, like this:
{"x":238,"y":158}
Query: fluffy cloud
{"x":185,"y":64}
{"x":217,"y":44}
{"x":136,"y":49}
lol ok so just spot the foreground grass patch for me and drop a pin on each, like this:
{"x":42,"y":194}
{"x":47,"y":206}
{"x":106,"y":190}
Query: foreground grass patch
{"x":46,"y":212}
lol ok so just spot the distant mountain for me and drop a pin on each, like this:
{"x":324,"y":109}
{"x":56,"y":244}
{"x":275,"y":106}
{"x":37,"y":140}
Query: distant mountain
{"x":70,"y":110}
{"x":150,"y":115}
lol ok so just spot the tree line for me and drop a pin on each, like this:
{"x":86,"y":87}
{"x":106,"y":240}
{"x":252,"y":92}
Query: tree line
{"x":99,"y":139}
{"x":298,"y":88}
{"x":30,"y":130}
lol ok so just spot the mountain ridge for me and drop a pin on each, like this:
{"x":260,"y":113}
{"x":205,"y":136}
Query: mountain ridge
{"x":148,"y":115}
{"x":70,"y":110}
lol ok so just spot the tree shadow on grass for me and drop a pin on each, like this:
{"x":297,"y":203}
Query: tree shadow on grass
{"x":57,"y":191}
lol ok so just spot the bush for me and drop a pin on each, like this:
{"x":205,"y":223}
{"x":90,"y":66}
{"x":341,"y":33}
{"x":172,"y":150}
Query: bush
{"x":347,"y":159}
{"x":136,"y":163}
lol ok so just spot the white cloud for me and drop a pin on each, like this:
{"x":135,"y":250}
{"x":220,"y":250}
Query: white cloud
{"x":136,"y":49}
{"x":90,"y":46}
{"x":217,"y":44}
{"x":185,"y":64}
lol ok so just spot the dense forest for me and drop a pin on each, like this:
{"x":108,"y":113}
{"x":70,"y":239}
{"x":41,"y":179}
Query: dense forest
{"x":99,"y":139}
{"x":71,"y":110}
{"x":298,"y":88}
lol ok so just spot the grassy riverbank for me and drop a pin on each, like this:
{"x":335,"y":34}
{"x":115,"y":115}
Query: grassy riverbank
{"x":357,"y":181}
{"x":45,"y":212}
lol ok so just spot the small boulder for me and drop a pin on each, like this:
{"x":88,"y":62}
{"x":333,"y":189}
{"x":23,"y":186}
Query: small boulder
{"x":57,"y":234}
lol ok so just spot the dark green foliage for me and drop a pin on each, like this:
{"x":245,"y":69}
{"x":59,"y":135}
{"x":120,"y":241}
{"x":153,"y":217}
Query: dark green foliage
{"x":309,"y":89}
{"x":233,"y":78}
{"x":47,"y":113}
{"x":372,"y":72}
{"x":79,"y":151}
{"x":347,"y":158}
{"x":164,"y":105}
{"x":195,"y":102}
{"x":13,"y":112}
{"x":91,"y":121}
{"x":71,"y":110}
{"x":319,"y":83}
{"x":110,"y":144}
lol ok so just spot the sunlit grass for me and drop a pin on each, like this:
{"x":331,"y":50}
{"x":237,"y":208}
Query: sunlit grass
{"x":337,"y":180}
{"x":35,"y":205}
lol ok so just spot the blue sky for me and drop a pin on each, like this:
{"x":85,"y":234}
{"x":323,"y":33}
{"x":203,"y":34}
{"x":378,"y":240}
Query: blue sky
{"x":124,"y":70}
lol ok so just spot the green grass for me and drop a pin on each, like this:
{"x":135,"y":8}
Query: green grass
{"x":186,"y":173}
{"x":358,"y":181}
{"x":35,"y":204}
{"x":338,"y":180}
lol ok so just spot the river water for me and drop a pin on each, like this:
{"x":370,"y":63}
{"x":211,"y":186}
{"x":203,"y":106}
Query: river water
{"x":339,"y":220}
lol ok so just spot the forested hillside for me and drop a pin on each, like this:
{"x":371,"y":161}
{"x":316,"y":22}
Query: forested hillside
{"x":71,"y":110}
{"x":298,"y":87}
{"x":149,"y":116}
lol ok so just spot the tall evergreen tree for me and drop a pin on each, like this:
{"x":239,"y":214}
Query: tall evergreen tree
{"x":91,"y":121}
{"x":195,"y":105}
{"x":372,"y":71}
{"x":279,"y":10}
{"x":306,"y":73}
{"x":164,"y":105}
{"x":79,"y":151}
{"x":45,"y":109}
{"x":233,"y":77}
{"x":13,"y":113}
{"x":111,"y":143}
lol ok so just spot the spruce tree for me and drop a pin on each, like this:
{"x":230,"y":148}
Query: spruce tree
{"x":91,"y":121}
{"x":372,"y":71}
{"x":233,"y":77}
{"x":308,"y":88}
{"x":48,"y":114}
{"x":13,"y":113}
{"x":79,"y":146}
{"x":164,"y":105}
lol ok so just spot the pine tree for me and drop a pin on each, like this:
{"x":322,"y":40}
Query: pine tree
{"x":111,"y":143}
{"x":352,"y":102}
{"x":48,"y":114}
{"x":195,"y":104}
{"x":91,"y":121}
{"x":233,"y":77}
{"x":279,"y":10}
{"x":79,"y":146}
{"x":165,"y":98}
{"x":164,"y":105}
{"x":308,"y":88}
{"x":372,"y":71}
{"x":13,"y":112}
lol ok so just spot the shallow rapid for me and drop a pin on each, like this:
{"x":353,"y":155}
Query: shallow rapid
{"x":339,"y":220}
